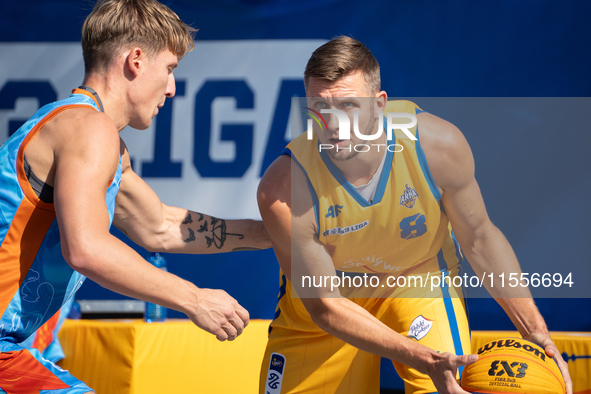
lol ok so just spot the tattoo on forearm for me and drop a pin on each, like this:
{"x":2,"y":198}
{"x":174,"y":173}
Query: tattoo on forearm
{"x":187,"y":219}
{"x":202,"y":228}
{"x":191,"y":236}
{"x":219,"y":234}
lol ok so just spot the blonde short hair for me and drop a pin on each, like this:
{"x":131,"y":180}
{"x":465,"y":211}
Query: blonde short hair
{"x":116,"y":25}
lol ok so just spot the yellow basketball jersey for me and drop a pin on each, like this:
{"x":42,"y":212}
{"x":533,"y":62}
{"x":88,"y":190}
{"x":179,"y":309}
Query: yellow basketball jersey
{"x":403,"y":231}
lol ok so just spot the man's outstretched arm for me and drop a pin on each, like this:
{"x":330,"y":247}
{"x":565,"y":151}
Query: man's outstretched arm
{"x":87,"y":148}
{"x":452,"y":166}
{"x":161,"y":228}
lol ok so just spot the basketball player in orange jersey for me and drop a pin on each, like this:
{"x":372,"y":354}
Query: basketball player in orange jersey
{"x":351,"y":213}
{"x":66,"y":176}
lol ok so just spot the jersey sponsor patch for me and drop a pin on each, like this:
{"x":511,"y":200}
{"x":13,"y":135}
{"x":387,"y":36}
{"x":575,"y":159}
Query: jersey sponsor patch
{"x":345,"y":230}
{"x":408,"y":197}
{"x":419,"y":327}
{"x":275,"y":374}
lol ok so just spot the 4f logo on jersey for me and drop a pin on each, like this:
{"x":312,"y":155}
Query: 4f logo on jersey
{"x":275,"y":374}
{"x":334,"y":210}
{"x":408,"y":197}
{"x":506,"y":368}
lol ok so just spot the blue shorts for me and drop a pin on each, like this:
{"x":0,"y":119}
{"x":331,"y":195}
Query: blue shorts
{"x":26,"y":371}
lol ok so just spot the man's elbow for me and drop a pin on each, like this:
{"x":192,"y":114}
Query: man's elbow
{"x":483,"y":234}
{"x":320,"y":310}
{"x":158,"y":240}
{"x":79,"y":257}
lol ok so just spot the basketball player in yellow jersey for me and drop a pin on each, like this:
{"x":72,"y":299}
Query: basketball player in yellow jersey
{"x":370,"y":214}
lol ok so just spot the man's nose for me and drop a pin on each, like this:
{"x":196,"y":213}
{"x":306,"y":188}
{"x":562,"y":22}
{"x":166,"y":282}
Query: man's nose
{"x":332,"y":122}
{"x":171,"y":87}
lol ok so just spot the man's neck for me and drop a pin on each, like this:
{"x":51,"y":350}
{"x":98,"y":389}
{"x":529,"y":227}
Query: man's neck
{"x":112,"y":97}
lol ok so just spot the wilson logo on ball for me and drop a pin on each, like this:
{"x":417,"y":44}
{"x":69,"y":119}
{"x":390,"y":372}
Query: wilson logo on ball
{"x":513,"y":343}
{"x":513,"y":365}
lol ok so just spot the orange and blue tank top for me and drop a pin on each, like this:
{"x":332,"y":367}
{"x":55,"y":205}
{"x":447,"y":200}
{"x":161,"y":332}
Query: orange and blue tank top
{"x":35,"y":279}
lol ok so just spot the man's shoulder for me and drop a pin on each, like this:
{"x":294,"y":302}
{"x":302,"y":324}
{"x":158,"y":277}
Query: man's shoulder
{"x":82,"y":120}
{"x":447,"y":152}
{"x":283,"y":180}
{"x":276,"y":182}
{"x":83,"y":131}
{"x":437,"y":134}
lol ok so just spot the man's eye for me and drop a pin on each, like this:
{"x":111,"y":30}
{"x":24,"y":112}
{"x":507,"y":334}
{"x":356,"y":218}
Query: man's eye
{"x":348,"y":104}
{"x":320,"y":104}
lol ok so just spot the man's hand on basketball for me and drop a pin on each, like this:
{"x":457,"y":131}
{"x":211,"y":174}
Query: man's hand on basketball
{"x":546,"y":342}
{"x":219,"y":314}
{"x":444,"y":372}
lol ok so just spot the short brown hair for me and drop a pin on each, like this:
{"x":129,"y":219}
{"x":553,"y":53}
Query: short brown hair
{"x":340,"y":57}
{"x":116,"y":25}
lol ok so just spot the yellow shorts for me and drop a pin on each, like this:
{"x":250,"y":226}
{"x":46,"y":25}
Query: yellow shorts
{"x":305,"y":360}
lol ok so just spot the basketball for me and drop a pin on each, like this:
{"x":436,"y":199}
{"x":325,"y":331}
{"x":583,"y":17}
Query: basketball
{"x":513,"y":365}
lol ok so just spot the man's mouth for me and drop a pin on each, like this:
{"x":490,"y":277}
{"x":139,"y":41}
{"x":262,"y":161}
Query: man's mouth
{"x":336,"y":141}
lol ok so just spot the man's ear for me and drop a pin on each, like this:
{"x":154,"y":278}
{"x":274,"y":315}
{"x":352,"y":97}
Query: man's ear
{"x":380,"y":102}
{"x":134,"y":61}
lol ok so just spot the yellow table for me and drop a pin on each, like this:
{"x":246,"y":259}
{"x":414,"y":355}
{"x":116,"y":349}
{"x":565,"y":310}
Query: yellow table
{"x":130,"y":356}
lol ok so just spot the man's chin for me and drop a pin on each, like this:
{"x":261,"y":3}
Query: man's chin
{"x":140,"y":125}
{"x":341,"y":155}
